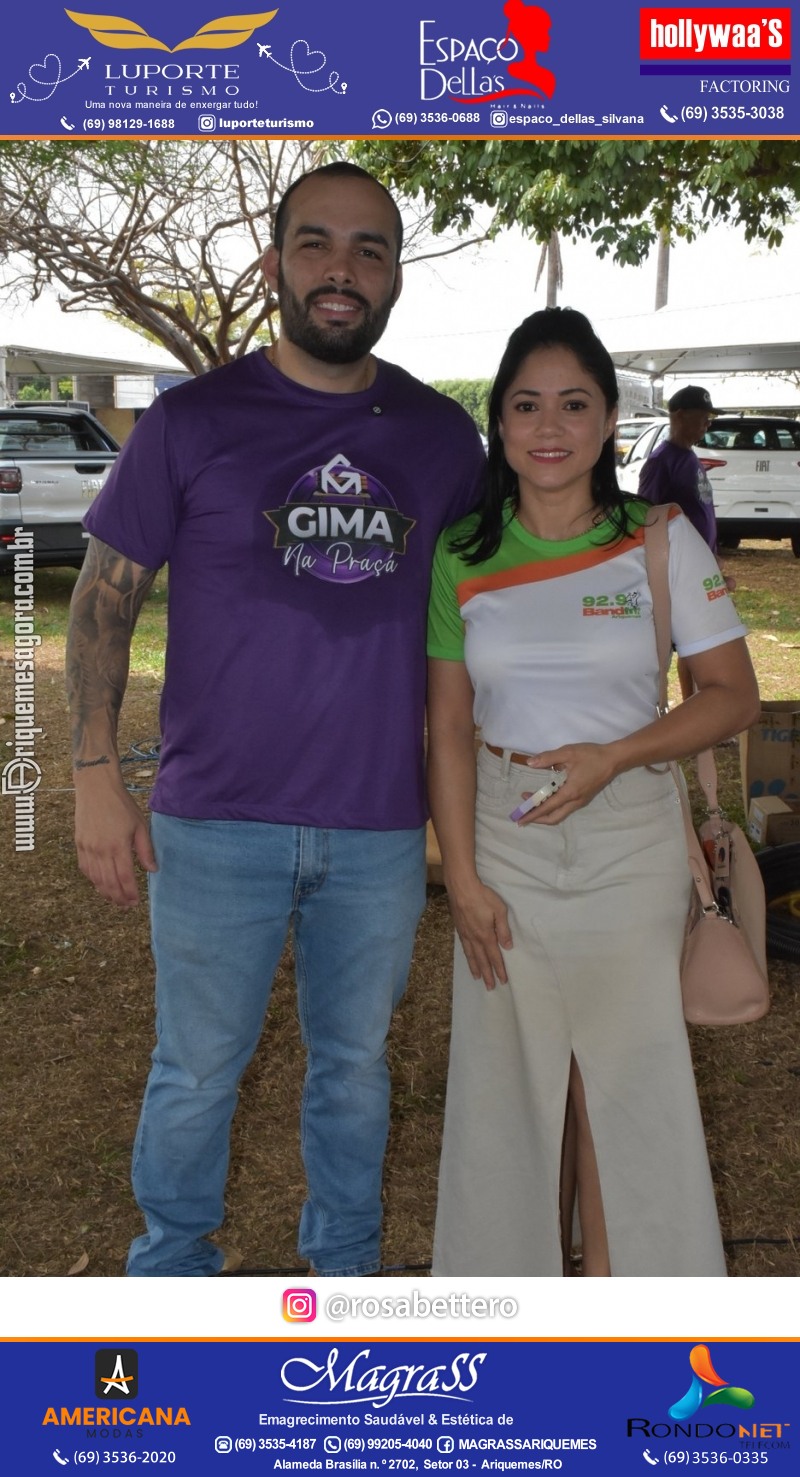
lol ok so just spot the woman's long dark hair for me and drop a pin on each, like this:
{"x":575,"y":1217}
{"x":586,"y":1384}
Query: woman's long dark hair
{"x":552,"y":327}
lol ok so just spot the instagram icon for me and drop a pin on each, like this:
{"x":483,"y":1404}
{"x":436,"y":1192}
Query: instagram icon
{"x":299,"y":1305}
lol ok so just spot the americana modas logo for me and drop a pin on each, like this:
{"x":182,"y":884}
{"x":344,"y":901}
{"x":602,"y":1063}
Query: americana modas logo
{"x":127,"y":35}
{"x":116,"y":1374}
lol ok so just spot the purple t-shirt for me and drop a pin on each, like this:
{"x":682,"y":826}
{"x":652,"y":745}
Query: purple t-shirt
{"x":673,"y":474}
{"x":299,"y":527}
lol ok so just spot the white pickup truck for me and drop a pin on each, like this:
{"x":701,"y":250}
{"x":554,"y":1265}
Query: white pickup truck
{"x":53,"y":461}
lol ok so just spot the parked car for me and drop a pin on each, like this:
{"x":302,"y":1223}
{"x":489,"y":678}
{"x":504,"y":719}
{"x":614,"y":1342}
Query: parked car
{"x":54,"y":459}
{"x":629,"y":431}
{"x":753,"y":465}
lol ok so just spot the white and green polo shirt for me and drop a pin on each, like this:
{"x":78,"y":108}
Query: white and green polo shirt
{"x":558,"y":637}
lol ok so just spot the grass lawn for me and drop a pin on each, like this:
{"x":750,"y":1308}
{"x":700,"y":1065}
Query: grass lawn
{"x":76,"y":1019}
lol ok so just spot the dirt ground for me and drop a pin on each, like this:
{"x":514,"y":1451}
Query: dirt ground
{"x":76,"y":1032}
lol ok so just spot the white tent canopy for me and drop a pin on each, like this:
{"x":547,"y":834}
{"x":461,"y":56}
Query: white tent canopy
{"x":756,"y":336}
{"x":23,"y":360}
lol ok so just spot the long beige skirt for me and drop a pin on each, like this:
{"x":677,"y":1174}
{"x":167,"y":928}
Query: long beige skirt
{"x":597,"y":908}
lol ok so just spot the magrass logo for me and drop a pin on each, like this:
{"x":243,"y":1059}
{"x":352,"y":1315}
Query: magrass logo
{"x":116,"y":1374}
{"x":355,"y":1380}
{"x":704,"y":1375}
{"x":127,"y":35}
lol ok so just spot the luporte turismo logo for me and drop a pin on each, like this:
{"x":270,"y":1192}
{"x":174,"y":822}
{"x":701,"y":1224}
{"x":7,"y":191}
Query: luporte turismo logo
{"x":123,"y":34}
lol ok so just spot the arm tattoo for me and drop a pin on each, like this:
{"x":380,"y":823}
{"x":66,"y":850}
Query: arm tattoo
{"x":108,"y":596}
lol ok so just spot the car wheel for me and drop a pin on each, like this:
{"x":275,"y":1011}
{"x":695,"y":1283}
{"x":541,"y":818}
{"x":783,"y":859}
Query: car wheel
{"x":796,"y":545}
{"x":729,"y":540}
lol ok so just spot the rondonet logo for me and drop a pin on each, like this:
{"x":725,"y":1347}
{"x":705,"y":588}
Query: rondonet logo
{"x":359,"y":1381}
{"x":721,"y":33}
{"x":126,"y":35}
{"x":699,"y":1394}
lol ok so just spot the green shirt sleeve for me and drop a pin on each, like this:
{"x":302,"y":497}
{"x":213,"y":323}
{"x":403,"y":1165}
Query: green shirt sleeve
{"x":445,"y":626}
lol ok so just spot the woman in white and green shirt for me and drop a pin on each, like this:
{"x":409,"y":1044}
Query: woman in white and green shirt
{"x":569,"y":1057}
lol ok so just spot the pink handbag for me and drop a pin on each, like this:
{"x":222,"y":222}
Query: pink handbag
{"x":724,"y":963}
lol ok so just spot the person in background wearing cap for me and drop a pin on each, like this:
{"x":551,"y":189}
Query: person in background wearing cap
{"x":673,"y":473}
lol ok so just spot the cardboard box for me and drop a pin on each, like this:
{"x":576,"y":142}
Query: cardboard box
{"x":770,"y":753}
{"x":773,"y":822}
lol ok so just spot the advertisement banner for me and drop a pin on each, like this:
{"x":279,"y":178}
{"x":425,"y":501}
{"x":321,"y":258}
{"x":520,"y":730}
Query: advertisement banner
{"x":572,"y":1376}
{"x":607,"y":1408}
{"x":450,"y":69}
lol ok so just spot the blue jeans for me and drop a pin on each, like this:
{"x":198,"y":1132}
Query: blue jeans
{"x":224,"y":896}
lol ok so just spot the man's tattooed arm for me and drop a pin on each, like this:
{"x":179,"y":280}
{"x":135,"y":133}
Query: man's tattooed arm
{"x":106,"y":602}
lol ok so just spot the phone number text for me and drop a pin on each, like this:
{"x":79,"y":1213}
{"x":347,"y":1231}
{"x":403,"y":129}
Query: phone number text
{"x":719,"y":1458}
{"x":697,"y":112}
{"x":437,"y":117}
{"x":108,"y":125}
{"x":102,"y":1458}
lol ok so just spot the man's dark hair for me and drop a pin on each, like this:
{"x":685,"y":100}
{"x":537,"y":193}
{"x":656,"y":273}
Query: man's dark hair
{"x":346,"y":170}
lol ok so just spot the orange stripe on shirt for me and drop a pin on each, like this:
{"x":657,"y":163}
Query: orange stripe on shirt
{"x":548,"y":569}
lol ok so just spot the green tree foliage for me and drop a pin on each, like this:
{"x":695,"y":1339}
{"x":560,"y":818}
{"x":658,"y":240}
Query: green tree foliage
{"x":166,"y":236}
{"x":472,"y":394}
{"x":38,"y":388}
{"x":618,"y":194}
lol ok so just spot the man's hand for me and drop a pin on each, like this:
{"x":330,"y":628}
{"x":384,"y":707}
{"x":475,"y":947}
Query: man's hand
{"x":110,"y":831}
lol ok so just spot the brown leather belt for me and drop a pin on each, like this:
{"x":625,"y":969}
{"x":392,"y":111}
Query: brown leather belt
{"x":514,"y":758}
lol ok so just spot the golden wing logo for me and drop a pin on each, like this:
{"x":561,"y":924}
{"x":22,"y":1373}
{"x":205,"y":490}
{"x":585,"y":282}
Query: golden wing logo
{"x":126,"y":35}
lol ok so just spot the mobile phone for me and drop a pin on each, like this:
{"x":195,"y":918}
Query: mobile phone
{"x":543,"y":793}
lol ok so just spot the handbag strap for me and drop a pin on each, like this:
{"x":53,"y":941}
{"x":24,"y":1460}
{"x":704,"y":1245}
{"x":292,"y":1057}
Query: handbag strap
{"x":656,"y":558}
{"x":656,"y":555}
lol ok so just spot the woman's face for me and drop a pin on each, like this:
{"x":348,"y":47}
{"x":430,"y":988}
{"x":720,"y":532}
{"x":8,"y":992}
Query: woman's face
{"x":553,"y":423}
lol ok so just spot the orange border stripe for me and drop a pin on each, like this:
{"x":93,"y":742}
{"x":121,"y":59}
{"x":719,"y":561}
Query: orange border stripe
{"x":547,"y":569}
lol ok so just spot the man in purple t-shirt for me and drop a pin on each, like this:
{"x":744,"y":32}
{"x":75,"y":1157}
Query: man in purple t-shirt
{"x":673,"y":473}
{"x":297,"y":495}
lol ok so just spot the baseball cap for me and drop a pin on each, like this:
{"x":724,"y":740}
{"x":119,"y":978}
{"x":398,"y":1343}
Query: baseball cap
{"x":691,"y":397}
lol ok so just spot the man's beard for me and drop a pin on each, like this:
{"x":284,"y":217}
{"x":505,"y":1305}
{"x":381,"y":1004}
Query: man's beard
{"x":333,"y":344}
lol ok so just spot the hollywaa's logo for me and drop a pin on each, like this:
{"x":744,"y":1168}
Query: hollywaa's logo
{"x":740,"y":34}
{"x":126,"y":35}
{"x":526,"y":38}
{"x":704,"y":1374}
